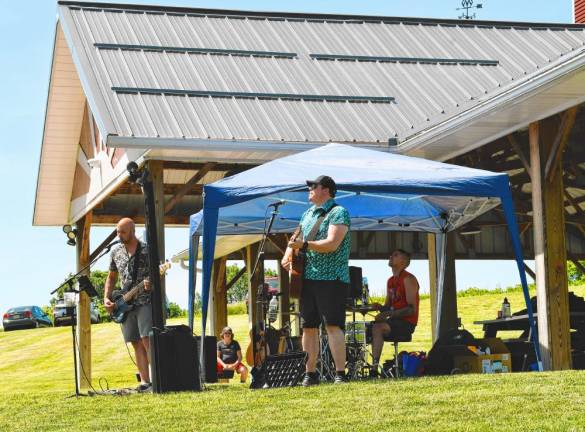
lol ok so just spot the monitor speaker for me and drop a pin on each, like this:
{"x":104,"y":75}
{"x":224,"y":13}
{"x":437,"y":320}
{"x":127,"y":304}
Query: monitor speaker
{"x":355,"y":282}
{"x":175,"y":362}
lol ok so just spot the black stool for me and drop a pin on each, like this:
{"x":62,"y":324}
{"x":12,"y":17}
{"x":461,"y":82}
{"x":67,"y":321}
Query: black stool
{"x":225,"y":376}
{"x":395,"y":339}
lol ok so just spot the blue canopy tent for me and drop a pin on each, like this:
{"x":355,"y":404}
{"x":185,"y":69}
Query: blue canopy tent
{"x":381,"y":191}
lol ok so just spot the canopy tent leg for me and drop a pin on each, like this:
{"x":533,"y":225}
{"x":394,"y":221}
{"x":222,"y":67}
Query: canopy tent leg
{"x":550,"y":250}
{"x":444,"y":292}
{"x":193,"y":253}
{"x":83,"y":313}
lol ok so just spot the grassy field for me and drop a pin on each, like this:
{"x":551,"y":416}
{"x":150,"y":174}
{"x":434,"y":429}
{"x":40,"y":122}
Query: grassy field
{"x":36,"y":376}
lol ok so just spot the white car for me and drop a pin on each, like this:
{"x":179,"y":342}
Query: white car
{"x":63,"y":315}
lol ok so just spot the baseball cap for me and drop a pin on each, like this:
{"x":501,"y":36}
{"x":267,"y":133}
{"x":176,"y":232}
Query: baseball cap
{"x":324,"y":181}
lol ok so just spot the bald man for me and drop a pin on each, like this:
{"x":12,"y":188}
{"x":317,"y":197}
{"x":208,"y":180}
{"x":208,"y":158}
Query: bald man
{"x":130,"y":261}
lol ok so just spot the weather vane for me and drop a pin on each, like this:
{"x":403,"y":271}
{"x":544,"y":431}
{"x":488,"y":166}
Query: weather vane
{"x":467,"y":5}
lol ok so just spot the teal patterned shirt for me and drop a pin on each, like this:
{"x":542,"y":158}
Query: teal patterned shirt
{"x":332,"y":265}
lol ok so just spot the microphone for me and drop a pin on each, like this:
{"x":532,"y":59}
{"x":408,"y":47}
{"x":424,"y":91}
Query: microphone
{"x":276,"y":204}
{"x":108,"y":247}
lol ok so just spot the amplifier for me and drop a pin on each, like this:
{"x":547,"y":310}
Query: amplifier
{"x":174,"y":358}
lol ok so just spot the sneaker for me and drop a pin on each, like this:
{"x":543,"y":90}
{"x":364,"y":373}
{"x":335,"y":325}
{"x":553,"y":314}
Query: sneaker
{"x":340,"y":379}
{"x":144,"y":387}
{"x":374,"y":373}
{"x":311,"y":378}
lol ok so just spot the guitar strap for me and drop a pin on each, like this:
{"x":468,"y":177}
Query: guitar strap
{"x":136,"y":264}
{"x":313,"y":233}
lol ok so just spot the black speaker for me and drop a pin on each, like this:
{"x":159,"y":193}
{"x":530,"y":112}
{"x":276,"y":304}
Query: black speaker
{"x":355,"y":282}
{"x":209,"y":357}
{"x":175,"y":362}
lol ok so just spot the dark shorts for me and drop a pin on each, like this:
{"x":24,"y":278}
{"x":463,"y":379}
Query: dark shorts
{"x":323,"y":300}
{"x":400,"y":327}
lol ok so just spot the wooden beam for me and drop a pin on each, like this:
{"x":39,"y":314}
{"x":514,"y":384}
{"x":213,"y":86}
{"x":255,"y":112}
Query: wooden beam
{"x":220,"y":295}
{"x":558,"y":147}
{"x":253,"y":283}
{"x":550,"y":252}
{"x":112,"y":219}
{"x":169,"y":189}
{"x":580,"y":266}
{"x":530,"y":271}
{"x":194,"y":166}
{"x":156,"y":173}
{"x":83,"y":314}
{"x":277,"y":244}
{"x":519,"y":152}
{"x":236,"y":278}
{"x":189,"y":185}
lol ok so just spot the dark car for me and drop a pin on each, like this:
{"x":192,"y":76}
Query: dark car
{"x":62,"y":315}
{"x":25,"y":317}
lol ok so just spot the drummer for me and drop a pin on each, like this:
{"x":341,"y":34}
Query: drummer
{"x":399,"y":314}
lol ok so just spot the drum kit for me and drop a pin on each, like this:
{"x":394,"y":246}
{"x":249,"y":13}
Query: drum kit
{"x":358,"y":338}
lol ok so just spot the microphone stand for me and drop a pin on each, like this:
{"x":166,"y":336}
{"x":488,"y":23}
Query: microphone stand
{"x":70,"y":309}
{"x":260,"y":300}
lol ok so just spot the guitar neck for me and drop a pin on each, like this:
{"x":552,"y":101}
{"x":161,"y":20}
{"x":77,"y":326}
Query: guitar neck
{"x":133,"y":292}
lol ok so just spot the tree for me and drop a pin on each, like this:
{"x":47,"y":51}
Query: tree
{"x":576,"y":276}
{"x":239,"y":290}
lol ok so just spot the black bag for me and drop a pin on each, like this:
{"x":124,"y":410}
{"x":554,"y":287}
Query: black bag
{"x":440,"y":358}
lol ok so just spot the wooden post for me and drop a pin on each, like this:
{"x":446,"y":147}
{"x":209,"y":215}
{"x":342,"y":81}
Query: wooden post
{"x":253,"y":282}
{"x":448,"y":312}
{"x":432,"y":254}
{"x":284,"y":307}
{"x":550,"y":250}
{"x":83,"y":315}
{"x":219,"y":295}
{"x":156,"y":172}
{"x":449,"y":318}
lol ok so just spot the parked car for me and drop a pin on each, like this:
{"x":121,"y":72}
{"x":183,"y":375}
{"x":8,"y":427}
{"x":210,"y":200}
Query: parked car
{"x":63,"y":316}
{"x":25,"y":317}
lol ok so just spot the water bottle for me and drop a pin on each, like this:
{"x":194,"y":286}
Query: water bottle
{"x":365,"y":291}
{"x":272,"y":309}
{"x":506,"y":311}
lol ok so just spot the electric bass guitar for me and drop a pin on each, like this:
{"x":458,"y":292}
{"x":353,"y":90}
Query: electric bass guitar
{"x":123,"y":298}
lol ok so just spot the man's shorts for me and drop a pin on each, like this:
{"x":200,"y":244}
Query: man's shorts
{"x":323,"y":300}
{"x":138,"y":323}
{"x":400,"y":327}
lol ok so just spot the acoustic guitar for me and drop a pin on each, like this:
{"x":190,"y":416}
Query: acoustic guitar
{"x":123,"y":298}
{"x":296,"y":269}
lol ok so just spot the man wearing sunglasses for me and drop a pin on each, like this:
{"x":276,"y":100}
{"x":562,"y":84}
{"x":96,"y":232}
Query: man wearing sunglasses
{"x":326,"y":275}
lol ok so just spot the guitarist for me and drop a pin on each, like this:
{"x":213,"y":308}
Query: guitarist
{"x":130,"y":261}
{"x":326,"y":275}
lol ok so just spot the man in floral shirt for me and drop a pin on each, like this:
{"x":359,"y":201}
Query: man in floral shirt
{"x":326,"y":275}
{"x":130,"y":261}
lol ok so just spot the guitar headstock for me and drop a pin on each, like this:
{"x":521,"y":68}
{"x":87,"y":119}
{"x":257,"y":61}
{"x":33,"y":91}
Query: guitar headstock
{"x":164,"y":267}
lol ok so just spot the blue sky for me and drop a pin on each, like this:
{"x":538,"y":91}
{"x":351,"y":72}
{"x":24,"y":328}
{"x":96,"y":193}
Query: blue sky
{"x":35,"y":259}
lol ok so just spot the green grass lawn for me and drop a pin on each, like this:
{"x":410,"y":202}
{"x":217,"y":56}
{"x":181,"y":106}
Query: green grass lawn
{"x":36,"y":375}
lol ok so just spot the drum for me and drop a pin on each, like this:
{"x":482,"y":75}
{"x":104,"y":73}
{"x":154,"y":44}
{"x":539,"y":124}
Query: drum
{"x":355,"y":332}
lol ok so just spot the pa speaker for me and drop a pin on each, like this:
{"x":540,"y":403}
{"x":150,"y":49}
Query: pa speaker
{"x":175,"y":363}
{"x":209,"y":357}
